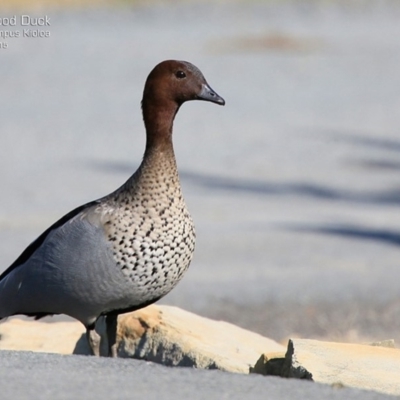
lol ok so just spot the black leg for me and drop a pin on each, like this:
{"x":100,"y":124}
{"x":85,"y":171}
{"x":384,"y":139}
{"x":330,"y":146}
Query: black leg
{"x":93,"y":339}
{"x":111,"y":325}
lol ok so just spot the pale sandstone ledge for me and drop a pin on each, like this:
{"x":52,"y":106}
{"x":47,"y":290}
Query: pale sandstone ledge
{"x":171,"y":336}
{"x":162,"y":334}
{"x":58,"y":337}
{"x":373,"y":367}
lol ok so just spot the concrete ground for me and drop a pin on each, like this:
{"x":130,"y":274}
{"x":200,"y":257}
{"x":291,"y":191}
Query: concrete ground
{"x":294,"y":185}
{"x":52,"y":376}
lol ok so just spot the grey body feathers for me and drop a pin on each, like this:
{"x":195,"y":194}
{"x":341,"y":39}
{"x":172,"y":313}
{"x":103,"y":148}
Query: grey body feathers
{"x":118,"y":253}
{"x":73,"y":272}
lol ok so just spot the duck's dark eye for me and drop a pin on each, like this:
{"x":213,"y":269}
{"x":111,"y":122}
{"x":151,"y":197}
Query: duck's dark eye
{"x":180,"y":74}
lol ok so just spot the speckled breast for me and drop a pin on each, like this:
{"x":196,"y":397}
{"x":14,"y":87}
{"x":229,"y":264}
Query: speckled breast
{"x":153,"y":240}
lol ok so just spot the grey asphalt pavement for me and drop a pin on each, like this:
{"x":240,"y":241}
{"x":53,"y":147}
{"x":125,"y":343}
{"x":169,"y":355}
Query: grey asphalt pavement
{"x":25,"y":375}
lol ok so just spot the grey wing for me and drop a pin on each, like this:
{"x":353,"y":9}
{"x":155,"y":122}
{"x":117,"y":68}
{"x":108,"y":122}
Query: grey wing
{"x":72,"y":271}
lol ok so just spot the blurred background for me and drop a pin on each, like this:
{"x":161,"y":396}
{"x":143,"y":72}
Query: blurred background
{"x":294,"y":185}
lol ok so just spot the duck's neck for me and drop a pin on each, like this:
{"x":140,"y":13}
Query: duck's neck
{"x":158,"y":120}
{"x":159,"y":164}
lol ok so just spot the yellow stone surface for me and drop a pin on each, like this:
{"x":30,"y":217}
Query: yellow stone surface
{"x":57,"y":337}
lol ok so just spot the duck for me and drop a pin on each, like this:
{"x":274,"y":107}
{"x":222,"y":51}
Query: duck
{"x":126,"y":250}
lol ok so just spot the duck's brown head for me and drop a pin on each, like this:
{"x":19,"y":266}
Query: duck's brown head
{"x":177,"y":82}
{"x":167,"y":87}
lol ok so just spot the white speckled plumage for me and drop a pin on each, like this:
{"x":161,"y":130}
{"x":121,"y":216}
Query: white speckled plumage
{"x":125,"y":250}
{"x":152,"y":233}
